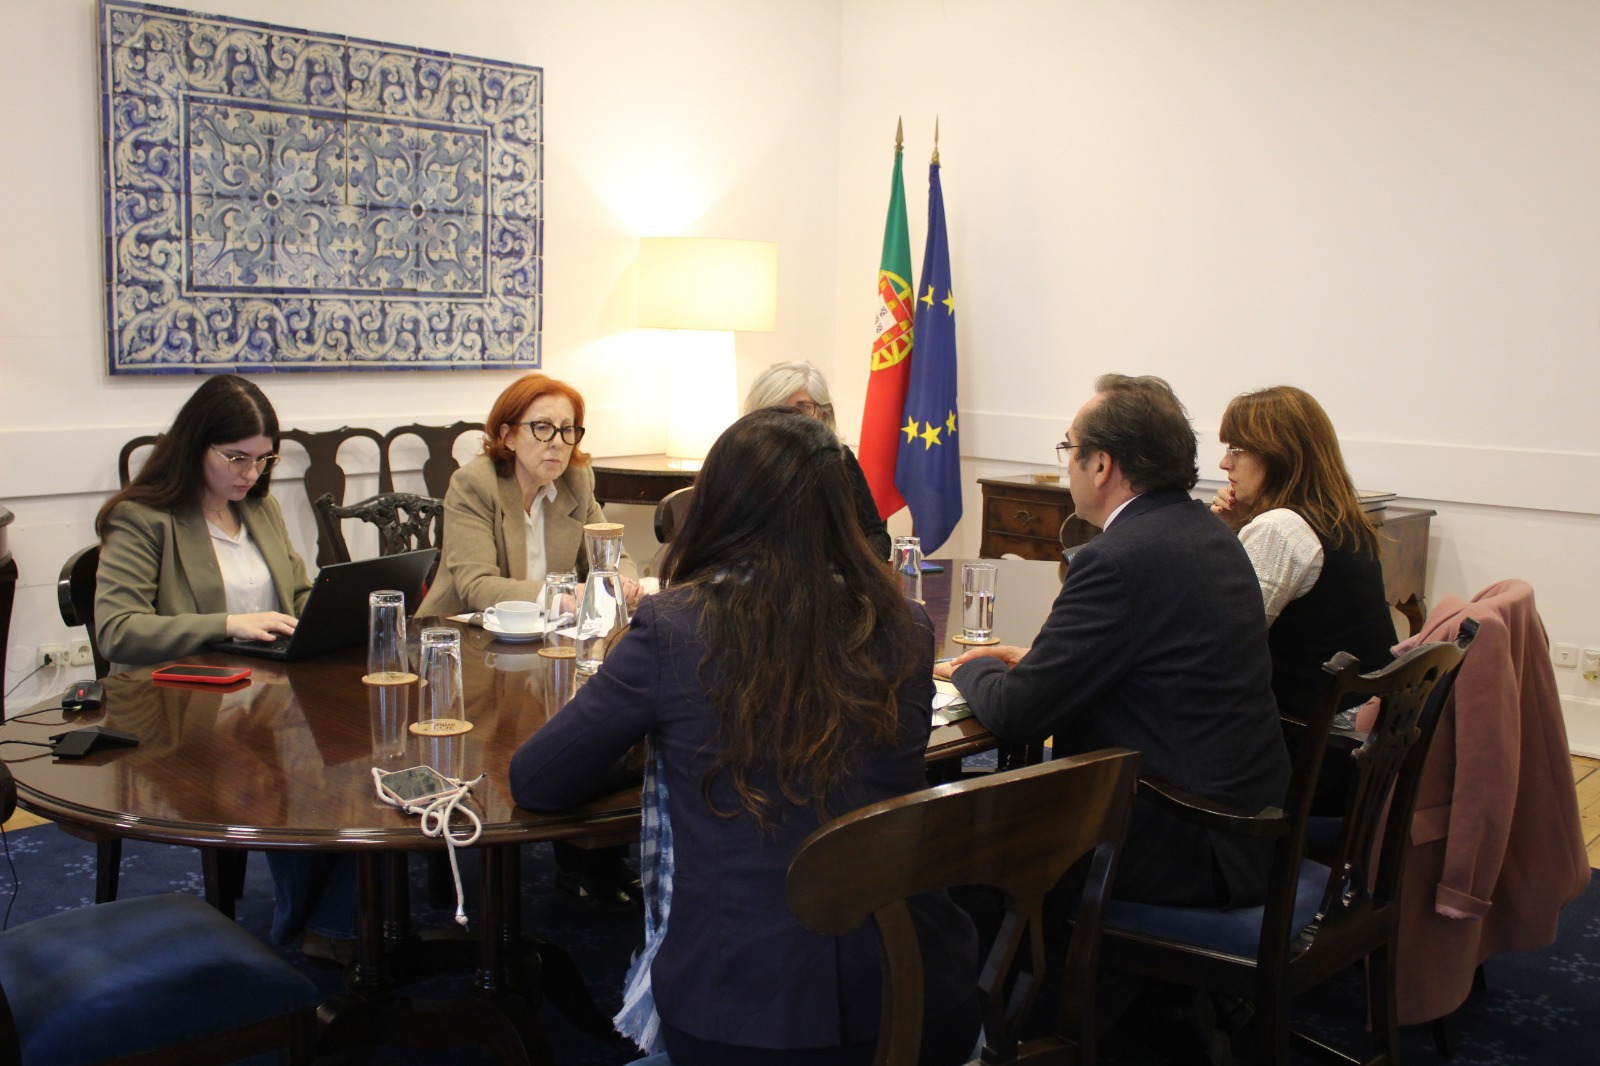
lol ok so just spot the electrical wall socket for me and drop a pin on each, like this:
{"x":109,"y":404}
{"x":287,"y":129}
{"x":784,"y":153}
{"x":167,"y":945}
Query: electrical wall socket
{"x":52,"y":655}
{"x":80,"y":653}
{"x":1591,"y":664}
{"x":1565,"y":654}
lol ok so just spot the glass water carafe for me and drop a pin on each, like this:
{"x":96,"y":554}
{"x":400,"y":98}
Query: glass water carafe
{"x":604,"y":610}
{"x":907,"y":562}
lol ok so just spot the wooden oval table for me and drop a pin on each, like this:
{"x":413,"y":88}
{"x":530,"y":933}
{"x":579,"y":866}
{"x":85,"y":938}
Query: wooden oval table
{"x":285,"y":761}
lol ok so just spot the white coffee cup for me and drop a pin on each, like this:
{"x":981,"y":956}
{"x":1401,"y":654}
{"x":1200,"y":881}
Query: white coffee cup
{"x":514,"y":616}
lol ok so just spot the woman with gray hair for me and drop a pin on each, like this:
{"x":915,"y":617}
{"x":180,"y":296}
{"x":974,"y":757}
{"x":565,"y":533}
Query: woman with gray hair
{"x":802,"y":386}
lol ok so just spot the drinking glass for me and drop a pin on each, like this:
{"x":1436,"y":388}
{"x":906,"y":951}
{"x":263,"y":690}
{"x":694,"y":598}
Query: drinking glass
{"x":977,"y":601}
{"x":559,"y":597}
{"x":907,"y":561}
{"x":389,"y":710}
{"x":444,"y":709}
{"x":386,"y":639}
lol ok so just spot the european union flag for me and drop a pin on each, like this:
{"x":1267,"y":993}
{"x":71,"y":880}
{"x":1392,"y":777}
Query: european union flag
{"x":928,"y":470}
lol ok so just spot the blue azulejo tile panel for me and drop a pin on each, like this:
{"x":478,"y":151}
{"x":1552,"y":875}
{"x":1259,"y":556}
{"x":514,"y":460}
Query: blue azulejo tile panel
{"x":283,"y":199}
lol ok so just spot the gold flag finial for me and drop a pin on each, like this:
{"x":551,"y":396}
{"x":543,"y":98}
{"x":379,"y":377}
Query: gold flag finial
{"x":936,"y":140}
{"x":899,"y":134}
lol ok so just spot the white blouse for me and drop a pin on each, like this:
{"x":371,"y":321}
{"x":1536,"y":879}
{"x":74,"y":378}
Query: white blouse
{"x":1286,"y":554}
{"x":245,"y":577}
{"x":535,"y":533}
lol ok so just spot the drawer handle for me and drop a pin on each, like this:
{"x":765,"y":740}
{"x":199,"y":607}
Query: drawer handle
{"x":1023,"y":516}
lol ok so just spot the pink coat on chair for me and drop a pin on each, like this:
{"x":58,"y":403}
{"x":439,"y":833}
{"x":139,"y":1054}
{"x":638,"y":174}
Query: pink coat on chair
{"x":1496,"y":845}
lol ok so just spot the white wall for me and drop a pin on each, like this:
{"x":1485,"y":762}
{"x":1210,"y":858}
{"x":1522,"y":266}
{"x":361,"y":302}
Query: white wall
{"x":700,"y":117}
{"x":1390,"y":203}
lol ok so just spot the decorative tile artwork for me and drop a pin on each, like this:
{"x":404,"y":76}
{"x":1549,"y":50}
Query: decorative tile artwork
{"x":278,"y":199}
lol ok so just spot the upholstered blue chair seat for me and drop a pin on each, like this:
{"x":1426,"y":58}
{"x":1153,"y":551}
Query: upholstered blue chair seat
{"x":1235,"y":932}
{"x":139,"y":974}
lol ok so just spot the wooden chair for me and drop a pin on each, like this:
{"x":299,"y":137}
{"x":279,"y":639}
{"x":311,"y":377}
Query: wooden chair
{"x":441,"y":462}
{"x":324,"y":475}
{"x":154,"y":979}
{"x":8,"y":595}
{"x":405,"y":523}
{"x":1317,"y":919}
{"x":1020,"y":831}
{"x":125,"y":457}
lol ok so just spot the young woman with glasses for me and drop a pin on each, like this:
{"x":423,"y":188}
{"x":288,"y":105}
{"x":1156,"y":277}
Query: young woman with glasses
{"x":784,"y":680}
{"x":517,"y":511}
{"x":802,"y":386}
{"x":194,"y":549}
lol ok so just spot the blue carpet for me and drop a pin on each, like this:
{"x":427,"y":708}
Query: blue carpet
{"x":54,"y":871}
{"x":1538,"y":1008}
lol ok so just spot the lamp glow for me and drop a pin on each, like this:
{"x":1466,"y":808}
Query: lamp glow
{"x":705,"y":289}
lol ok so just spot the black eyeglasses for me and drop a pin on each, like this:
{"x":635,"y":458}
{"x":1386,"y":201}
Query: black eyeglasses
{"x":1063,"y":448}
{"x":241,"y":464}
{"x":548,"y":431}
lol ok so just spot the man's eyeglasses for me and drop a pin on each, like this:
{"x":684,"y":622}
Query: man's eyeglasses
{"x":1063,"y":448}
{"x":548,"y":431}
{"x":240,"y":464}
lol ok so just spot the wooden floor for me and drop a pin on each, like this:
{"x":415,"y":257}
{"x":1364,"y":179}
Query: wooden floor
{"x":1585,"y":772}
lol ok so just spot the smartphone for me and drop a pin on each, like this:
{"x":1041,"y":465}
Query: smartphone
{"x":416,"y":784}
{"x":203,"y":675}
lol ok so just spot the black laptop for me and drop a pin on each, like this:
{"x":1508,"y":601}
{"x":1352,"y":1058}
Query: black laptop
{"x":336,"y":614}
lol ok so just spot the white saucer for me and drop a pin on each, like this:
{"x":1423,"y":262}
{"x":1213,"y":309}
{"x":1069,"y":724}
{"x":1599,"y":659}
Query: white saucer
{"x":511,"y":636}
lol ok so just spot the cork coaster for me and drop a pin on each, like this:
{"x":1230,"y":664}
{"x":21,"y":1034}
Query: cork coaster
{"x":389,"y":677}
{"x":559,"y":652}
{"x":440,"y":727}
{"x":975,"y":643}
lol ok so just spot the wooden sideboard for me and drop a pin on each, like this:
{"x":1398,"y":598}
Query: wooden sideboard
{"x":1034,"y":519}
{"x":640,"y":478}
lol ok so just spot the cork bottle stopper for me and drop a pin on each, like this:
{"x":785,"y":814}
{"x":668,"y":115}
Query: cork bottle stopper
{"x":604,"y":529}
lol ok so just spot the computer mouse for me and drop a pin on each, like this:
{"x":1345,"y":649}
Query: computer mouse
{"x":83,"y":696}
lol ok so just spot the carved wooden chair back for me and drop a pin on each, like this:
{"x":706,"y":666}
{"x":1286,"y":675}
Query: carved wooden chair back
{"x":125,"y":457}
{"x":441,"y":462}
{"x":1020,"y":831}
{"x":404,"y":522}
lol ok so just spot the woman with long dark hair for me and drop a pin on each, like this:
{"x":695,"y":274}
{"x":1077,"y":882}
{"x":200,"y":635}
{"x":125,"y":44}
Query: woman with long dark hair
{"x":784,"y":680}
{"x":1314,"y":549}
{"x":194,"y":550}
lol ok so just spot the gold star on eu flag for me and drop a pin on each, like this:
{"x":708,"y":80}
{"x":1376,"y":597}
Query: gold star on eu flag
{"x":910,"y":430}
{"x":950,"y":424}
{"x":930,"y":435}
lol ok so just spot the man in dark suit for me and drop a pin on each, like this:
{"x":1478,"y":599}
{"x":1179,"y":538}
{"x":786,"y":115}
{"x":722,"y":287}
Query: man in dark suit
{"x":1157,"y":642}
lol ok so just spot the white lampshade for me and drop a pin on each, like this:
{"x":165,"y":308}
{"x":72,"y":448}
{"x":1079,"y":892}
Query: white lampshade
{"x":705,"y":289}
{"x":701,"y":283}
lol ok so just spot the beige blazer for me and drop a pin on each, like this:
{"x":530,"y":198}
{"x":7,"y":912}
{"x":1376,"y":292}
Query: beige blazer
{"x":159,"y":593}
{"x":486,"y":537}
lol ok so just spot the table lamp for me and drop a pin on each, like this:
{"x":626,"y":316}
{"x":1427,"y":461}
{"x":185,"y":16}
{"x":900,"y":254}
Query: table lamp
{"x":705,"y":289}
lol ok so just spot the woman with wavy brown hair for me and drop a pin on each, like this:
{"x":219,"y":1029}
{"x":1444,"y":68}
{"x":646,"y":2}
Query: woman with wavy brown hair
{"x":784,"y":680}
{"x":1315,"y":550}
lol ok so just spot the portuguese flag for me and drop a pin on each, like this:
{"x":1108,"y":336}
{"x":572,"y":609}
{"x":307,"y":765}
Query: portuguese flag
{"x":891,"y":353}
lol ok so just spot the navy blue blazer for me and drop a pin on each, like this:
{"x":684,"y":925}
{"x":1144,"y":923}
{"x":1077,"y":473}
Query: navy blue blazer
{"x":1158,"y":642}
{"x":736,"y":967}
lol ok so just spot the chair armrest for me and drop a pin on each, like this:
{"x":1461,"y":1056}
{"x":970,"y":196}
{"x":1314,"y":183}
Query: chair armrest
{"x":1208,"y":814}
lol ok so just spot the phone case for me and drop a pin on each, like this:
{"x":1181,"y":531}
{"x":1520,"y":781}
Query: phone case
{"x":168,"y":674}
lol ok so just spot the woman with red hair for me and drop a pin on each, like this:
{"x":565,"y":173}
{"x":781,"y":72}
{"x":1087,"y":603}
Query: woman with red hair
{"x":517,"y":511}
